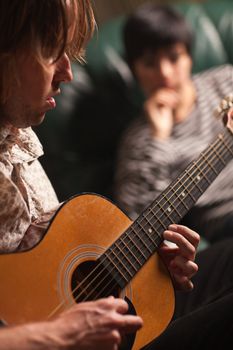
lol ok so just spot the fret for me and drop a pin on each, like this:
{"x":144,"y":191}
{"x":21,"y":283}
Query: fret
{"x":195,"y":180}
{"x":211,"y":176}
{"x":150,"y":229}
{"x":158,"y":237}
{"x":134,"y":245}
{"x":130,"y":251}
{"x":179,"y":198}
{"x":134,"y":239}
{"x":226,"y":145}
{"x":194,"y":190}
{"x":224,"y":152}
{"x":224,"y":139}
{"x":175,"y":215}
{"x":187,"y":192}
{"x":147,"y":217}
{"x":217,"y":155}
{"x":122,"y":278}
{"x":229,"y":148}
{"x":211,"y":167}
{"x":183,"y":194}
{"x":115,"y":270}
{"x":171,"y":205}
{"x":151,"y":215}
{"x":159,"y":217}
{"x":127,"y":257}
{"x":119,"y":259}
{"x":165,"y":210}
{"x":139,"y":239}
{"x":146,"y":238}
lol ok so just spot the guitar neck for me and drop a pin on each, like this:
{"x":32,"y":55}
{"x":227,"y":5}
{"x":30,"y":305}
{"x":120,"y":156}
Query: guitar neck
{"x":135,"y":246}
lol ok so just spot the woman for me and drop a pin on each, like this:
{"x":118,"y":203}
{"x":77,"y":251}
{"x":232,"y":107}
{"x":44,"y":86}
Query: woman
{"x":176,"y":123}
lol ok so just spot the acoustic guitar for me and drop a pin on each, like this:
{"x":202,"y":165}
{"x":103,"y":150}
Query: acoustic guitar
{"x":92,"y":250}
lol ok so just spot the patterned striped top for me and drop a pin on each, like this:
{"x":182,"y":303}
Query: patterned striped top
{"x":146,"y":166}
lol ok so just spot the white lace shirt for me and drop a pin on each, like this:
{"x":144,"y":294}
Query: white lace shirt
{"x":27,"y":198}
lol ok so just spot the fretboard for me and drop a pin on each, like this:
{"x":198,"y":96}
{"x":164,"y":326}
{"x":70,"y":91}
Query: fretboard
{"x":135,"y":246}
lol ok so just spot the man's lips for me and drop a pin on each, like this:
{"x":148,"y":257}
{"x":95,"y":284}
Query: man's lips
{"x":51,"y":101}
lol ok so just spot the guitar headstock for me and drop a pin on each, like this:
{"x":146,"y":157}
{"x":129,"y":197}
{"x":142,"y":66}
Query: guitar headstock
{"x":225,"y":112}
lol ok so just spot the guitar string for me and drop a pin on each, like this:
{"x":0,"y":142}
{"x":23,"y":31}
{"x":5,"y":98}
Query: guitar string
{"x":113,"y":287}
{"x":212,"y":148}
{"x":152,"y":224}
{"x":202,"y":159}
{"x":79,"y":286}
{"x":126,"y":247}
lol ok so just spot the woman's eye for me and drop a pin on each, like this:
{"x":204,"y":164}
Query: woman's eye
{"x":174,"y":57}
{"x":148,"y":64}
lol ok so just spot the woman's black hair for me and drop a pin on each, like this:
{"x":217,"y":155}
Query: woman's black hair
{"x":152,"y":27}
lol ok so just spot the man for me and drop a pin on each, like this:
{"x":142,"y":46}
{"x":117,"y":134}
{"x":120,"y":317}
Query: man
{"x":38,"y":38}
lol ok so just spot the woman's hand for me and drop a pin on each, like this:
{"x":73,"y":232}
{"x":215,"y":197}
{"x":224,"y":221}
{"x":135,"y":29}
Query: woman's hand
{"x":180,"y":258}
{"x":159,"y":109}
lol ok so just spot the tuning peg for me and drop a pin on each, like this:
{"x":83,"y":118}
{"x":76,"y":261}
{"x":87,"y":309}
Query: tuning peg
{"x":224,"y":106}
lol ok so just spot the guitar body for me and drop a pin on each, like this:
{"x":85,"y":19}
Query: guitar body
{"x":36,"y":285}
{"x":93,"y":249}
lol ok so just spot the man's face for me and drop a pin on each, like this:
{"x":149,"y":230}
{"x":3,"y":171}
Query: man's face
{"x":32,"y":95}
{"x":168,"y":67}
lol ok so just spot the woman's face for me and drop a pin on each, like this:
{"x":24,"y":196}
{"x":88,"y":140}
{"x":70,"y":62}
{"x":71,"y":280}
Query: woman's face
{"x":168,"y":67}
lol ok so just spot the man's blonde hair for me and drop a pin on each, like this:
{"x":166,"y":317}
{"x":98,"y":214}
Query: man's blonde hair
{"x":42,"y":26}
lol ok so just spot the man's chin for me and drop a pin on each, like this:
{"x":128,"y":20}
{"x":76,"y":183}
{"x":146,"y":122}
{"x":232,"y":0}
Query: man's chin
{"x":42,"y":117}
{"x":39,"y":119}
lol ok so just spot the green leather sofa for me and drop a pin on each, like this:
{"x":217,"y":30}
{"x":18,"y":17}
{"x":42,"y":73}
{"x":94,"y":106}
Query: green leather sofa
{"x":80,"y":137}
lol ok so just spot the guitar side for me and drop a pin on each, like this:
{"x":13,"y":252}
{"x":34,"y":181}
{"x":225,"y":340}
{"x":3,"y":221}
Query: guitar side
{"x":36,"y":285}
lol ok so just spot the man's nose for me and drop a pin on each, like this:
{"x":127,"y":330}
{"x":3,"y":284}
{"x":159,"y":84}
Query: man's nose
{"x":64,"y":70}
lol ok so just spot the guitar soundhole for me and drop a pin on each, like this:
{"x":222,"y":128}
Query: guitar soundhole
{"x":90,"y":281}
{"x":128,"y":339}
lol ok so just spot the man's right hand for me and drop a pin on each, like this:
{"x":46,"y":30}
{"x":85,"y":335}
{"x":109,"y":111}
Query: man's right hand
{"x":93,"y":325}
